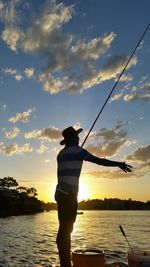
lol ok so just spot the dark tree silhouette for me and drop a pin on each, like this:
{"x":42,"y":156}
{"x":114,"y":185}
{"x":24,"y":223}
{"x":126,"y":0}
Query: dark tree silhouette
{"x":31,"y":192}
{"x":17,"y":201}
{"x":8,"y":182}
{"x":28,"y":191}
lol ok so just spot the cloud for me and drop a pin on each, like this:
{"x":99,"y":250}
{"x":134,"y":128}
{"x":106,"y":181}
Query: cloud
{"x":13,"y":72}
{"x":12,"y":133}
{"x":18,"y":77}
{"x":117,"y":97}
{"x":9,"y":12}
{"x":22,"y":117}
{"x":46,"y":28}
{"x":29,"y":72}
{"x":109,"y":174}
{"x":126,"y":78}
{"x":51,"y":84}
{"x":141,"y":160}
{"x":108,"y":149}
{"x":141,"y":157}
{"x":143,"y":169}
{"x":41,"y":149}
{"x":10,"y":17}
{"x":68,"y":58}
{"x":11,"y":35}
{"x":134,"y":97}
{"x":111,"y":70}
{"x":90,"y":78}
{"x":108,"y":142}
{"x":15,"y":149}
{"x":51,"y":134}
{"x":115,"y":65}
{"x":93,"y":49}
{"x":140,"y":92}
{"x":142,"y":154}
{"x":115,"y":133}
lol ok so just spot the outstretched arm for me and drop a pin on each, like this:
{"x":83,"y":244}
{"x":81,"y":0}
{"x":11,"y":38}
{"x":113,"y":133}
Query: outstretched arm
{"x":125,"y":167}
{"x":110,"y":163}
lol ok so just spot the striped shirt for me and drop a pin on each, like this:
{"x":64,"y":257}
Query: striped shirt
{"x":70,"y":160}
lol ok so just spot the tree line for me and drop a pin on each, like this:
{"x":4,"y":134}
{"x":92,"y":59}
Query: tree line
{"x":113,"y":204}
{"x":107,"y":204}
{"x":20,"y":200}
{"x":17,"y":200}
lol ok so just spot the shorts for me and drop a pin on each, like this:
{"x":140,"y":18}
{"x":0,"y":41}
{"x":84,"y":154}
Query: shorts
{"x":67,"y":206}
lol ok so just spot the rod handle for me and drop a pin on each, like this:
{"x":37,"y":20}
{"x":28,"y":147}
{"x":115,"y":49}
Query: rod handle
{"x":121,"y":229}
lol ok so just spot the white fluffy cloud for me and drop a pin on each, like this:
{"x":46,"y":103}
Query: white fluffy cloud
{"x":140,"y":92}
{"x":143,"y":97}
{"x":22,"y":117}
{"x":70,"y":56}
{"x":29,"y":72}
{"x":51,"y":84}
{"x":138,"y":172}
{"x":15,"y":149}
{"x":111,"y":70}
{"x":11,"y":35}
{"x":45,"y":30}
{"x":108,"y":142}
{"x":108,"y":149}
{"x":13,"y":72}
{"x":142,"y":154}
{"x":117,"y":97}
{"x":92,"y":77}
{"x":109,"y":173}
{"x":51,"y":133}
{"x":115,"y":65}
{"x":93,"y":49}
{"x":8,"y":14}
{"x":115,"y":133}
{"x":41,"y":149}
{"x":10,"y":134}
{"x":141,"y":157}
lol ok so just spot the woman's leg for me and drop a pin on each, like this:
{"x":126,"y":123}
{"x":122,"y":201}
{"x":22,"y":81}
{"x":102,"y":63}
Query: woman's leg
{"x":64,"y":243}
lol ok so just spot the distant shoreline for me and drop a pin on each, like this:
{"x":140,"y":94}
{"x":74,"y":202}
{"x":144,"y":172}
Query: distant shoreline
{"x":106,"y":204}
{"x":15,"y":203}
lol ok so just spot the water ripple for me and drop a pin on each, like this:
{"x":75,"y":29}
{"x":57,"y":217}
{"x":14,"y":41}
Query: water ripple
{"x":29,"y":241}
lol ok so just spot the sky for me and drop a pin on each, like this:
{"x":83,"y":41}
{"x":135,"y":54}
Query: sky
{"x":58,"y":63}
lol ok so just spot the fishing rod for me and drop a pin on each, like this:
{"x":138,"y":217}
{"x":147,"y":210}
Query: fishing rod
{"x":122,"y":231}
{"x":141,"y":38}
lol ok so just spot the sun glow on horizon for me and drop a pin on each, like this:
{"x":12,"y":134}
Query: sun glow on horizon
{"x":84,"y":192}
{"x":47,"y":194}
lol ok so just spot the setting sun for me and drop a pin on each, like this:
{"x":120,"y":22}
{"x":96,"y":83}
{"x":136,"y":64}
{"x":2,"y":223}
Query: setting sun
{"x":83,"y":192}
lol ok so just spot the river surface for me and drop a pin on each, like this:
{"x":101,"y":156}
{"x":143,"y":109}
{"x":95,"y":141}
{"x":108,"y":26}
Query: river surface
{"x":29,"y":241}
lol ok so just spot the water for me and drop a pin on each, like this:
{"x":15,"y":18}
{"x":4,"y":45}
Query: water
{"x":29,"y":241}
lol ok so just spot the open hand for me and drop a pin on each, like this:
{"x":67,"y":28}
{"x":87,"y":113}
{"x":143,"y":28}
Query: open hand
{"x":125,"y":167}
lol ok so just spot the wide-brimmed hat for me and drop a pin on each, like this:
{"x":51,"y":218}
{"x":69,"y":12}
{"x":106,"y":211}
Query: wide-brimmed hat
{"x":69,"y":133}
